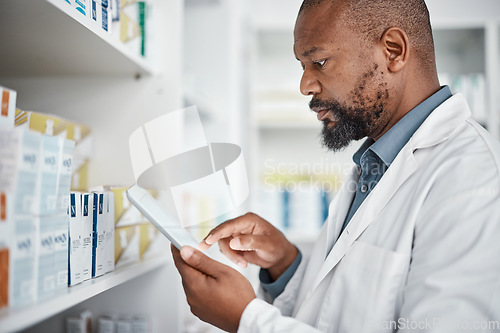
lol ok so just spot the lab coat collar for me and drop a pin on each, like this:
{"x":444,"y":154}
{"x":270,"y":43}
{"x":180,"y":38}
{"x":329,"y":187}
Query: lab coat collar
{"x":442,"y":123}
{"x":448,"y":118}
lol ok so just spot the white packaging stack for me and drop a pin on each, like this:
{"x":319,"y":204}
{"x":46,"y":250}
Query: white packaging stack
{"x":54,"y":180}
{"x":115,"y":323}
{"x":87,"y":234}
{"x":61,"y":220}
{"x":124,"y":325}
{"x":45,"y":211}
{"x":99,"y":230}
{"x":105,"y":325}
{"x":79,"y":324}
{"x":141,"y":324}
{"x":75,"y":269}
{"x":9,"y":143}
{"x":35,"y":175}
{"x":23,"y":275}
{"x":61,"y":253}
{"x":91,"y":234}
{"x":110,"y":231}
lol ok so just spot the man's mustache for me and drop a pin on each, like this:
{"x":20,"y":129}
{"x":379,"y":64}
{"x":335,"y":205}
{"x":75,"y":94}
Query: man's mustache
{"x":317,"y":103}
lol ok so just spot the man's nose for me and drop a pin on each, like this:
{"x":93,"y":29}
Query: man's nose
{"x":309,"y":85}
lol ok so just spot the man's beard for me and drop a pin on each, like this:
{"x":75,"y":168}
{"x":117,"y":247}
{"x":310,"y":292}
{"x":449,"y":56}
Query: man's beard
{"x":352,"y":123}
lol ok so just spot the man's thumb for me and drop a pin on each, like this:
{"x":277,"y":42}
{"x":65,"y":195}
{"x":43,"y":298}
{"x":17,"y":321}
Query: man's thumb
{"x":199,"y":261}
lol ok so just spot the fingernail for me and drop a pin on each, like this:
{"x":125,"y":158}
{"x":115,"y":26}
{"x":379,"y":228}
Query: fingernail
{"x":209,"y":239}
{"x":186,"y":252}
{"x":242,"y":264}
{"x":235,"y":244}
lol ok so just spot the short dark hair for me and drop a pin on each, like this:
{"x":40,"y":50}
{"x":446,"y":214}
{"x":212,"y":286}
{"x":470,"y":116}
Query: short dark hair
{"x":373,"y":17}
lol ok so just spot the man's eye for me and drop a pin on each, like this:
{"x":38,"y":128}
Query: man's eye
{"x":320,"y":63}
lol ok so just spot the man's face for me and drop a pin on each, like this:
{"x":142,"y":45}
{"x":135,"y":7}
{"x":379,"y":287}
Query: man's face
{"x":344,"y":75}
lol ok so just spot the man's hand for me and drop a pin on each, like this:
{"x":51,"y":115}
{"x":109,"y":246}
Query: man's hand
{"x":216,"y":293}
{"x":251,"y":239}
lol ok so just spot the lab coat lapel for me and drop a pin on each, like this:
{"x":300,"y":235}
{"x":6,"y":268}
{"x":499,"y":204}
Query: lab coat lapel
{"x":392,"y":180}
{"x":336,"y":216}
{"x":341,"y":208}
{"x":439,"y":126}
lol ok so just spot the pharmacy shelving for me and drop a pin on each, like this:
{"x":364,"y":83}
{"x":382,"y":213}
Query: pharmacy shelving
{"x":35,"y":30}
{"x":59,"y":63}
{"x":17,"y":319}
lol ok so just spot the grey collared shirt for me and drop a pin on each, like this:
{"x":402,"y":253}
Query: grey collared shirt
{"x":373,"y":158}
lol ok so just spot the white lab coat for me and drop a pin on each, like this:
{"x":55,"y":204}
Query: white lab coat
{"x":421,"y":254}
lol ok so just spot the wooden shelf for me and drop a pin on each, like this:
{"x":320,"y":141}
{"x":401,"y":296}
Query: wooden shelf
{"x":13,"y":320}
{"x":51,"y":38}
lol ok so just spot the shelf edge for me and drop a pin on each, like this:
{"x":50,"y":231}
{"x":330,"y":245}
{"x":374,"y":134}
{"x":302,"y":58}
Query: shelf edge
{"x":17,"y":319}
{"x":104,"y":36}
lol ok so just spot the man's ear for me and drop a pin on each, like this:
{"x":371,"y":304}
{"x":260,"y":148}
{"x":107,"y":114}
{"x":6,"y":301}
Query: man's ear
{"x":396,"y":47}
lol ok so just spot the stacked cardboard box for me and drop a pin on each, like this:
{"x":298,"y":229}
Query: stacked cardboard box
{"x":56,"y":126}
{"x":35,"y":176}
{"x":135,"y":237}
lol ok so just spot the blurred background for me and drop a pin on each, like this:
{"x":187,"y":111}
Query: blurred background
{"x":239,"y":68}
{"x":234,"y":60}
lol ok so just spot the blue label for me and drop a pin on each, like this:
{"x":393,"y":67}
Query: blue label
{"x":94,"y":10}
{"x":85,"y":205}
{"x":73,"y":205}
{"x":30,"y":158}
{"x":104,"y":19}
{"x":80,"y":3}
{"x":47,"y":241}
{"x":24,"y":244}
{"x":50,"y":160}
{"x":101,"y":199}
{"x":60,"y":239}
{"x":67,"y":163}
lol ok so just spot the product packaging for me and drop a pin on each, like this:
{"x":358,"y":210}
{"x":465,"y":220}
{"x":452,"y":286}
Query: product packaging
{"x":6,"y":226}
{"x":100,"y":14}
{"x":26,"y":168}
{"x":45,"y":203}
{"x":80,"y":324}
{"x":105,"y":325}
{"x":109,"y":212}
{"x":61,"y":253}
{"x":99,"y":231}
{"x":87,"y":234}
{"x":55,"y":126}
{"x":124,"y":325}
{"x":126,"y":245}
{"x":7,"y":107}
{"x":152,"y":242}
{"x":81,"y":6}
{"x":125,"y":213}
{"x":61,"y":219}
{"x":130,"y":28}
{"x":75,"y":270}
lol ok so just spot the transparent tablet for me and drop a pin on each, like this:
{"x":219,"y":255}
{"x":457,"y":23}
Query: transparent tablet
{"x":165,"y":223}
